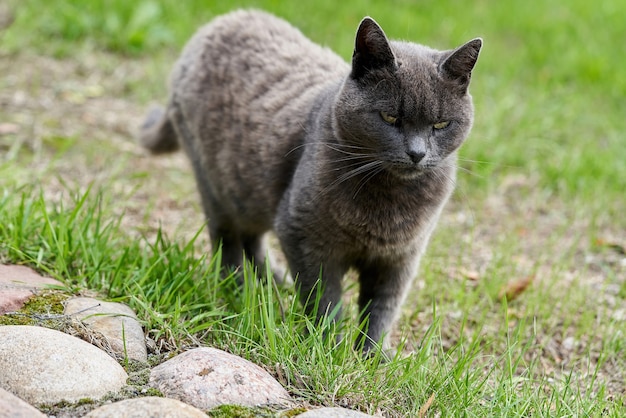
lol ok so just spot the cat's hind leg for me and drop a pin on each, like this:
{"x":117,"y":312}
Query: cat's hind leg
{"x":237,"y":245}
{"x":256,"y":249}
{"x":222,"y":229}
{"x":224,"y":236}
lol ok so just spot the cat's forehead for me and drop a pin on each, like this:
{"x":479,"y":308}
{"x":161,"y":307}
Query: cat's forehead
{"x":415,"y":59}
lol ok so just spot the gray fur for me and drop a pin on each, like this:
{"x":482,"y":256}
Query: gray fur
{"x":283,"y":134}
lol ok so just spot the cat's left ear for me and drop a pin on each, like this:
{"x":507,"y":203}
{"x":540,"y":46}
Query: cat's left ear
{"x":459,"y":64}
{"x":371,"y":50}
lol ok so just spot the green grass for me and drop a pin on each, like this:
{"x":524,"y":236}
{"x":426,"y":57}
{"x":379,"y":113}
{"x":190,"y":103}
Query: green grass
{"x":541,"y":195}
{"x":178,"y":294}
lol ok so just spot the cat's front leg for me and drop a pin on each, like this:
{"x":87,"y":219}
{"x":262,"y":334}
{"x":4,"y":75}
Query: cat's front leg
{"x":384,"y":286}
{"x":317,"y":278}
{"x":318,"y":283}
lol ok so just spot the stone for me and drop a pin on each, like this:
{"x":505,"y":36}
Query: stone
{"x":13,"y":407}
{"x":115,"y":321}
{"x":41,"y":365}
{"x":569,"y":343}
{"x":150,"y":406}
{"x":208,"y":377}
{"x":333,"y":413}
{"x":18,"y":284}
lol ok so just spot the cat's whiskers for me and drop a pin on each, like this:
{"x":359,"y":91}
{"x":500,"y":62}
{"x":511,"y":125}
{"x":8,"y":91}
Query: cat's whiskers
{"x":468,"y":171}
{"x":359,"y":170}
{"x":295,"y":148}
{"x":354,"y":164}
{"x":353,"y":156}
{"x":367,"y":178}
{"x":490,"y":163}
{"x":469,"y":160}
{"x":356,"y":159}
{"x":375,"y":165}
{"x":444,"y":176}
{"x":339,"y":144}
{"x":337,"y":147}
{"x":334,"y":146}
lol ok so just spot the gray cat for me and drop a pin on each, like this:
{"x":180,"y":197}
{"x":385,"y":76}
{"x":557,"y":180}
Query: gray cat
{"x":349,"y":165}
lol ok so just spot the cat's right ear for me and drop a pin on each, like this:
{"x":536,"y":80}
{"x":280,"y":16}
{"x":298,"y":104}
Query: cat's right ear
{"x":371,"y":50}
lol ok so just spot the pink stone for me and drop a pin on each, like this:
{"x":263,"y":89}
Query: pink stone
{"x":208,"y":377}
{"x":333,"y":413}
{"x":149,"y":406}
{"x":116,"y":321}
{"x":14,"y":407}
{"x":18,"y":284}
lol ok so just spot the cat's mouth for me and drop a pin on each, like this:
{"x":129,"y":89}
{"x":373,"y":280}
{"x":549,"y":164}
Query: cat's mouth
{"x":407,"y":171}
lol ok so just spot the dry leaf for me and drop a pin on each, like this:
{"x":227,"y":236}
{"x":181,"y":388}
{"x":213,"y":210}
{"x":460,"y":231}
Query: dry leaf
{"x":424,"y":408}
{"x":464,"y":274}
{"x":471,"y":275}
{"x":514,"y":288}
{"x":618,"y":248}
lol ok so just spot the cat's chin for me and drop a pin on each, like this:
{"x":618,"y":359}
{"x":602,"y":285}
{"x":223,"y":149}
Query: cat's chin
{"x":407,"y":173}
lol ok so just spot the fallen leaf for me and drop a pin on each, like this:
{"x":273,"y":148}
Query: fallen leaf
{"x":618,"y":248}
{"x":464,"y":274}
{"x":471,"y":275}
{"x":424,"y":408}
{"x":514,"y":288}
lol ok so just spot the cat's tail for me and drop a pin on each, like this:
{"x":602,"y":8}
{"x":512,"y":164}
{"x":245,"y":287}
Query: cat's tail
{"x":157,"y":133}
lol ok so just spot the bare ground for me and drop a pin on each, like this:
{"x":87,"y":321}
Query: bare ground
{"x":67,"y":123}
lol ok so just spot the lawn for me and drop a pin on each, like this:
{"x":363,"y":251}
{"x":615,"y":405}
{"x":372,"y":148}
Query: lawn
{"x":520,"y":305}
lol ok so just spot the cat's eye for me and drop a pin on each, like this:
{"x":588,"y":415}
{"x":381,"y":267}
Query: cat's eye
{"x":392,"y":120}
{"x":441,"y":125}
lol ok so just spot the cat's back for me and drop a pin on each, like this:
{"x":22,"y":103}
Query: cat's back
{"x":250,"y":58}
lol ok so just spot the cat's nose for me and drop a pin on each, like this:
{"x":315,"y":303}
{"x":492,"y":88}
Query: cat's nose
{"x":416,"y":156}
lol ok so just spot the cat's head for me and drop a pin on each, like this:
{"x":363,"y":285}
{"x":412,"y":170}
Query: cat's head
{"x":405,"y":104}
